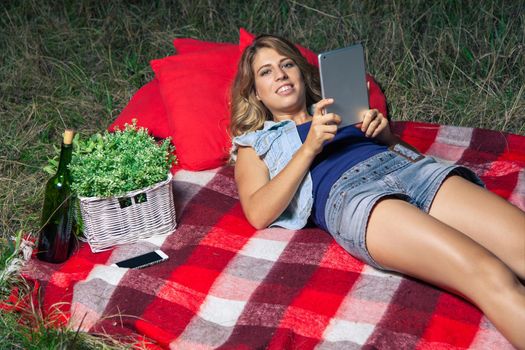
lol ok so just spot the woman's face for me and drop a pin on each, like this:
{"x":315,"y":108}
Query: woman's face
{"x":278,"y":83}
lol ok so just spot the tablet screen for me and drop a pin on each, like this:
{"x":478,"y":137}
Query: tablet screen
{"x":343,"y":78}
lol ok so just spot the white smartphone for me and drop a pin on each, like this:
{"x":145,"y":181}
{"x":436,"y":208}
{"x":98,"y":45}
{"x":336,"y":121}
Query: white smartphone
{"x":343,"y":78}
{"x":141,"y":261}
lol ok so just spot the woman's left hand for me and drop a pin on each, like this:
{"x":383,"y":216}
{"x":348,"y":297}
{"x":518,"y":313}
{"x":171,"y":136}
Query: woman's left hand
{"x":374,"y":123}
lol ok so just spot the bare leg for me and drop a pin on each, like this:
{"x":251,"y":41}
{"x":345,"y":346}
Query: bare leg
{"x":485,"y":217}
{"x":403,"y":238}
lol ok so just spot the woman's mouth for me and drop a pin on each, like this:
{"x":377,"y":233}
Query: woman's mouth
{"x":285,"y":90}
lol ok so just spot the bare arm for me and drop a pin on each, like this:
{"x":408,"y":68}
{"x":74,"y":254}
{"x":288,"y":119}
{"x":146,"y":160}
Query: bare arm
{"x":262,"y":199}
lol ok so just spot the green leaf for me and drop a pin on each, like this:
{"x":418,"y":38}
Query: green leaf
{"x":111,"y":164}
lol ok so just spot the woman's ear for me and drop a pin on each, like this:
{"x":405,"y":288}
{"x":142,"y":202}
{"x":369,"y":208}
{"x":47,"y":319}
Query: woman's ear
{"x":257,"y":95}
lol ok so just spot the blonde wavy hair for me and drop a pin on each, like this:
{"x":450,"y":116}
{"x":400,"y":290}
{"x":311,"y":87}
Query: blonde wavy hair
{"x":247,"y":112}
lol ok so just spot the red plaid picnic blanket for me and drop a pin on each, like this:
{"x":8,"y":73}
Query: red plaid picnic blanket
{"x":229,"y":286}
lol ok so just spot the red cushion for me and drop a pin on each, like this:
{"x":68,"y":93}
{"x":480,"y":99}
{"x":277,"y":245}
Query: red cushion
{"x":187,"y":45}
{"x":376,"y":98}
{"x":147,"y":107}
{"x":194,"y":87}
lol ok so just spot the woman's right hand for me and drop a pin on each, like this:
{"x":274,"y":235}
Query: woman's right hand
{"x":323,"y":128}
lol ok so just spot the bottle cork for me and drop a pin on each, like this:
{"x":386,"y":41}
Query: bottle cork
{"x":68,"y":136}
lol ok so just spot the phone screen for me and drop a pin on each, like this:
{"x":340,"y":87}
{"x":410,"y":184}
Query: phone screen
{"x":143,"y":260}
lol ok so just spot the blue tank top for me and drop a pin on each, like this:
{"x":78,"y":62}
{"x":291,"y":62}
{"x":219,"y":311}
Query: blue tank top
{"x":349,"y":147}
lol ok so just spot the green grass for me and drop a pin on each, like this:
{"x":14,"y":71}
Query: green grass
{"x":77,"y":63}
{"x":30,"y":332}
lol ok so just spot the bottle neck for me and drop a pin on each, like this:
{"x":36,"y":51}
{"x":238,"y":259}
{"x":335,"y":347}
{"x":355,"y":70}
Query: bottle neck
{"x":66,"y":152}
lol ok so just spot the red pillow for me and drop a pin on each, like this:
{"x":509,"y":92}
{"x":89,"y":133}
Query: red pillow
{"x":187,"y":45}
{"x":194,"y":87}
{"x":376,"y":98}
{"x":147,"y":107}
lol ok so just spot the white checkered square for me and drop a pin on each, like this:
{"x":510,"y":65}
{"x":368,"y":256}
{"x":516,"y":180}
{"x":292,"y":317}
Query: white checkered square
{"x":221,"y":311}
{"x":109,"y":274}
{"x":200,"y":178}
{"x":341,"y":330}
{"x":263,"y":249}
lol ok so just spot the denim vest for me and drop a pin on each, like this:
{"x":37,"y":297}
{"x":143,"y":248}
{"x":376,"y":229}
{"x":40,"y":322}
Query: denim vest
{"x":276,"y":143}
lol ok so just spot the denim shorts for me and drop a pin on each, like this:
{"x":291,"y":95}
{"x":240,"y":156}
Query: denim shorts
{"x":387,"y":174}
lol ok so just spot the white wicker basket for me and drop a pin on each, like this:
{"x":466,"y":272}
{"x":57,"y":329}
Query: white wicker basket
{"x":137,"y":215}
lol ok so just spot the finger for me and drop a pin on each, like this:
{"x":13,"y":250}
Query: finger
{"x":330,"y":129}
{"x":369,"y":116}
{"x":368,"y":85}
{"x":380,"y":127}
{"x":374,"y":124}
{"x":321,"y":105}
{"x":330,"y":118}
{"x":330,"y":137}
{"x":321,"y":119}
{"x":323,"y":129}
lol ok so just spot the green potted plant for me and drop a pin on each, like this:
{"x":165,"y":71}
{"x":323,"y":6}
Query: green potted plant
{"x":123,"y":183}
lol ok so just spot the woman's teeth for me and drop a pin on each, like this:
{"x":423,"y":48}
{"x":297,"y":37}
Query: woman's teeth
{"x":284,"y":89}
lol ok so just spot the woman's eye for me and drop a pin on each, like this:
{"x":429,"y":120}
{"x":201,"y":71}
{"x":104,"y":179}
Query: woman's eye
{"x":288,"y":64}
{"x":264,"y":72}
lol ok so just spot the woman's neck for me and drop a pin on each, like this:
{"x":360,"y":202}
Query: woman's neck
{"x":298,"y":118}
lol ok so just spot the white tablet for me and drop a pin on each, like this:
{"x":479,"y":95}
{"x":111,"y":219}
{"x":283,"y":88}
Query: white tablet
{"x":343,"y":79}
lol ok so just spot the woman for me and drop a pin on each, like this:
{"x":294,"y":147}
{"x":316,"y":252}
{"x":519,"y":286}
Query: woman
{"x":392,"y":208}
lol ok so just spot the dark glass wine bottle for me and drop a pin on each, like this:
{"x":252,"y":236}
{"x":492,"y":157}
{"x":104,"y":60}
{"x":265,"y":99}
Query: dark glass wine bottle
{"x":56,"y":237}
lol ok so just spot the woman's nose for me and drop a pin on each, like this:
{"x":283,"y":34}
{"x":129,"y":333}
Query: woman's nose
{"x":281,"y":74}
